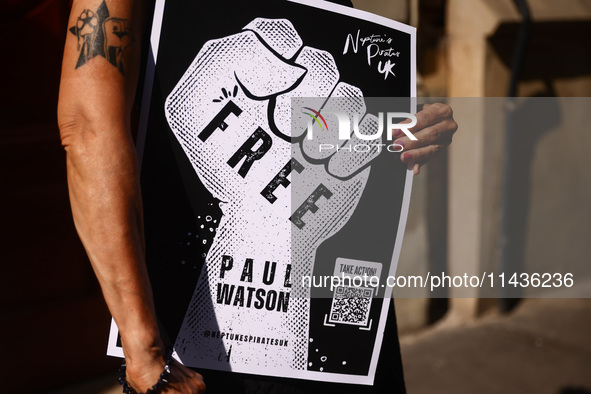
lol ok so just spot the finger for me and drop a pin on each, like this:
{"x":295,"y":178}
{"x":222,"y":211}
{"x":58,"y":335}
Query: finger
{"x":429,"y":115}
{"x":252,"y":58}
{"x":320,"y":79}
{"x":278,"y":34}
{"x":345,"y":163}
{"x":421,"y":155}
{"x":215,"y":70}
{"x":439,"y":133}
{"x":345,"y":99}
{"x":414,"y":167}
{"x":184,"y":380}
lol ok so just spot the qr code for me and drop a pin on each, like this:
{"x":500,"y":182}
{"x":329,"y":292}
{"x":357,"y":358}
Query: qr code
{"x":350,"y":305}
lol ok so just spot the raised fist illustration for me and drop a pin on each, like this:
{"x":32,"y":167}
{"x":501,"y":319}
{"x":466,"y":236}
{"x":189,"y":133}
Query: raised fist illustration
{"x":86,"y":28}
{"x":117,"y":37}
{"x":97,"y":34}
{"x":281,"y":195}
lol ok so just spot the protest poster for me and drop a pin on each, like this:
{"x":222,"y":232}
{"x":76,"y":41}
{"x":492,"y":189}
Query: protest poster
{"x":242,"y":203}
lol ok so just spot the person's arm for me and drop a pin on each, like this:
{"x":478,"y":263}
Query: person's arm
{"x":99,"y":76}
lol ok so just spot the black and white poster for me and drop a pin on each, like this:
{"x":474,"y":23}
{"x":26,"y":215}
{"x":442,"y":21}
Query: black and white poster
{"x":258,"y":183}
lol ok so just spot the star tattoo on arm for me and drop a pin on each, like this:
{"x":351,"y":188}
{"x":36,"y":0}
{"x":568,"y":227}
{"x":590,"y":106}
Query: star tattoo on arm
{"x":99,"y":34}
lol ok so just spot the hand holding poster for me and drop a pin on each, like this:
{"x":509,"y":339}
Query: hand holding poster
{"x":229,"y":140}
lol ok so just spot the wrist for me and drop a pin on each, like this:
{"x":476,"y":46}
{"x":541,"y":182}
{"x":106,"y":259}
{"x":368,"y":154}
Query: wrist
{"x":143,"y":365}
{"x":143,"y":348}
{"x":142,"y":383}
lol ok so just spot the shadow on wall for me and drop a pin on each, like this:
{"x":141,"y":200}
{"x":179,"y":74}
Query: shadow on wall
{"x":556,"y":51}
{"x":574,"y":390}
{"x":526,"y":125}
{"x":550,"y":43}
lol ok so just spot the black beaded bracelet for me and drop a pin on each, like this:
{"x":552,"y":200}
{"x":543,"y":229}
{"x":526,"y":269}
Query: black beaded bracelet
{"x":161,"y":383}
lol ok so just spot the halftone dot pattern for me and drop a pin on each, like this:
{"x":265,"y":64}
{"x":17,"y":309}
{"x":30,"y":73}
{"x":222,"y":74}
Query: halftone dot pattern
{"x":321,"y":225}
{"x":233,"y":61}
{"x":345,"y":163}
{"x":320,"y":79}
{"x":298,"y":328}
{"x":250,"y":226}
{"x":346,"y":99}
{"x":279,"y":34}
